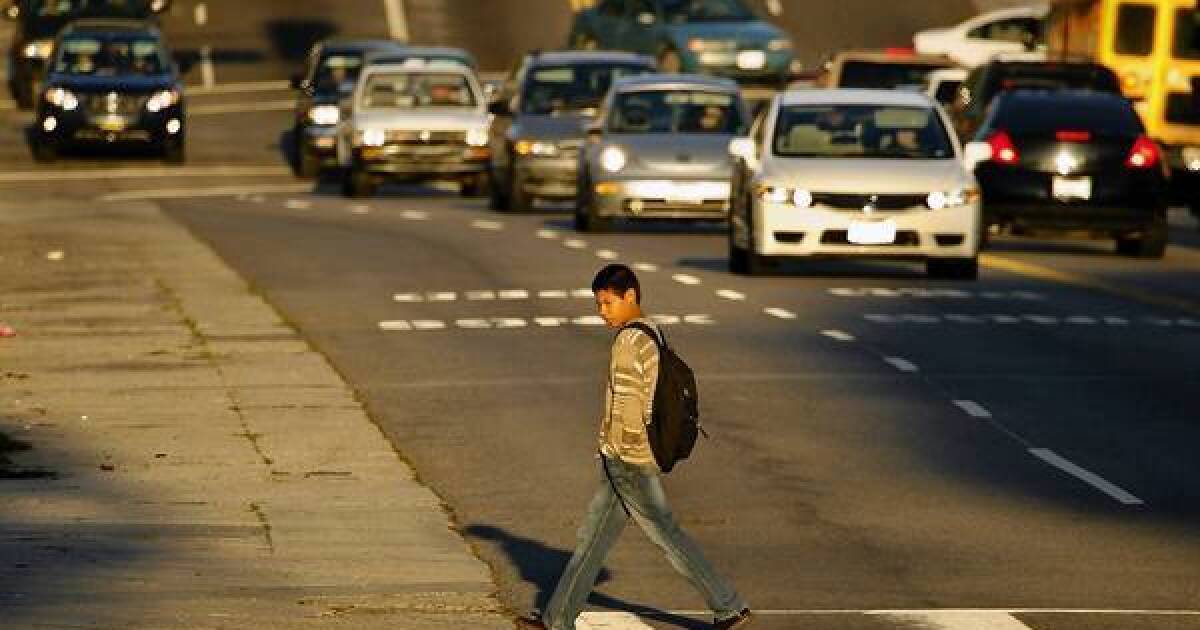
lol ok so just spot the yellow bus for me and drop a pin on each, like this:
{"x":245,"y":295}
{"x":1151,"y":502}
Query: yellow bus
{"x":1154,"y":47}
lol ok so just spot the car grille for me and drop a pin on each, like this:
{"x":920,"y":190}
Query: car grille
{"x":1184,"y":108}
{"x":904,"y":238}
{"x":856,"y":202}
{"x":121,"y":104}
{"x":428,"y":138}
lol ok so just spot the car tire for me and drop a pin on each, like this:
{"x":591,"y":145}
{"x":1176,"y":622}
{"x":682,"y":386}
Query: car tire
{"x":1152,"y":243}
{"x":497,"y":200}
{"x":745,"y":261}
{"x":953,"y":268}
{"x":357,"y":184}
{"x":174,"y":152}
{"x":669,"y":61}
{"x":44,"y":152}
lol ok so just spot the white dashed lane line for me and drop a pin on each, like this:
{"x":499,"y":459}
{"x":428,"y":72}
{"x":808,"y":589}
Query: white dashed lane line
{"x":838,"y":335}
{"x":645,"y":266}
{"x":781,"y":313}
{"x":904,"y":365}
{"x":414,"y":215}
{"x":484,"y":295}
{"x":730,"y":294}
{"x":549,"y":235}
{"x":485,"y":224}
{"x":298,"y":204}
{"x":545,"y":321}
{"x":973,"y":409}
{"x":359,"y":209}
{"x":956,"y":619}
{"x":683,"y":278}
{"x":1112,"y":490}
{"x":575,"y":243}
{"x":606,"y":254}
{"x":927,"y":293}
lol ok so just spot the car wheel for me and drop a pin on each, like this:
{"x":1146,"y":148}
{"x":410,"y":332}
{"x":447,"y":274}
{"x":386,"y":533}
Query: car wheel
{"x":44,"y":151}
{"x":174,"y":152}
{"x":357,"y":183}
{"x":1152,"y":243}
{"x":669,"y":61}
{"x":953,"y":268}
{"x":308,"y":164}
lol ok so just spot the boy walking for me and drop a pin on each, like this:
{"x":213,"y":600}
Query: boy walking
{"x":630,"y":486}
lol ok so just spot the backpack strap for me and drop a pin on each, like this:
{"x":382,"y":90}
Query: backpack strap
{"x":660,"y":338}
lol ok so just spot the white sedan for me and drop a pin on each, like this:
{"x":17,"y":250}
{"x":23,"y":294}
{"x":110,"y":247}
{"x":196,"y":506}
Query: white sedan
{"x":976,"y":41}
{"x":854,"y":174}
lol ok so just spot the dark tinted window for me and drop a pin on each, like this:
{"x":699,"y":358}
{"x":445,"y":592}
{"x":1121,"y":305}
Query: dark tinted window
{"x":860,"y":131}
{"x":550,"y":89}
{"x":675,"y":111}
{"x":869,"y":74}
{"x":947,"y":91}
{"x":338,"y":70}
{"x":1040,"y":115}
{"x":1187,"y":34}
{"x":1135,"y":29}
{"x":110,"y":56}
{"x":417,"y":89}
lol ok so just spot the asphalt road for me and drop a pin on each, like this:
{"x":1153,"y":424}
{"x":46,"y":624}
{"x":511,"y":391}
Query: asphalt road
{"x":1024,"y":444}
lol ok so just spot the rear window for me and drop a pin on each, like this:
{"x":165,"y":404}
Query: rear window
{"x":1095,"y":78}
{"x":1187,"y":34}
{"x":868,"y":74}
{"x":1135,"y":29}
{"x":1106,"y":116}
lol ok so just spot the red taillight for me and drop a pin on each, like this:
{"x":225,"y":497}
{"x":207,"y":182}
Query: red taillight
{"x":1003,"y":149}
{"x":900,"y":51}
{"x":1144,"y":154}
{"x":1073,"y":136}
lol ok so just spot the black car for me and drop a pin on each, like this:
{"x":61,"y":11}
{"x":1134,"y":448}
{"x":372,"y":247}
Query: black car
{"x":110,"y":82}
{"x":540,"y":117}
{"x":332,"y":69}
{"x":39,"y":21}
{"x":985,"y":82}
{"x":1072,"y":160}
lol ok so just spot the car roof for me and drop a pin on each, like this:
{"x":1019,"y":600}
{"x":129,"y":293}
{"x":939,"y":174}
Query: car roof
{"x":671,"y":81}
{"x":855,"y":96}
{"x":110,"y":25}
{"x":568,"y":57}
{"x":341,"y":45}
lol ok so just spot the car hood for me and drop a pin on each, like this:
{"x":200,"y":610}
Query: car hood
{"x":132,"y":83}
{"x":691,"y":154}
{"x":887,"y":176}
{"x":744,"y":32}
{"x":550,"y":128}
{"x":417,"y":120}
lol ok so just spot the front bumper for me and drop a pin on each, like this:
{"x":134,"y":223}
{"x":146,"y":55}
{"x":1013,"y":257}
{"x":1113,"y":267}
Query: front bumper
{"x":743,"y":65}
{"x":703,"y":199}
{"x":785,"y":230}
{"x":427,"y":161}
{"x":548,"y":177}
{"x":78,"y":127}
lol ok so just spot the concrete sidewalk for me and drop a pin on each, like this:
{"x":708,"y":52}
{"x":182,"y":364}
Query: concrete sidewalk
{"x":192,"y":462}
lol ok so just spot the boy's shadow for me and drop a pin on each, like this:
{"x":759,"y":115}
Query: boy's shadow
{"x":541,"y":566}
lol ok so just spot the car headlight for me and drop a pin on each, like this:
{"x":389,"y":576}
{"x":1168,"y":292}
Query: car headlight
{"x":612,"y":159}
{"x":477,"y":137}
{"x":324,"y":115}
{"x":699,"y":45}
{"x":38,"y":49}
{"x":62,"y":98}
{"x":782,"y":43}
{"x":372,"y":138}
{"x":799,"y":197}
{"x":951,"y":199}
{"x":536,"y":147}
{"x":161,"y":100}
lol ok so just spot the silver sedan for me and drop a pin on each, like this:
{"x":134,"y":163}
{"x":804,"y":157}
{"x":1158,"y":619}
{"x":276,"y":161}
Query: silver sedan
{"x":659,"y":150}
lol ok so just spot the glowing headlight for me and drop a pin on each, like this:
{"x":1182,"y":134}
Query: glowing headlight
{"x":162,"y":100}
{"x":324,"y":115}
{"x":38,"y":49}
{"x":533,"y":147}
{"x":62,"y":98}
{"x":477,"y":137}
{"x":802,"y":198}
{"x":612,"y":159}
{"x":798,"y":197}
{"x":951,"y":199}
{"x":780,"y":44}
{"x":372,"y":137}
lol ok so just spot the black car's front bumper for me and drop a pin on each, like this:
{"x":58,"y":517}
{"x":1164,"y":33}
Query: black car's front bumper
{"x":64,"y":128}
{"x":1121,"y":201}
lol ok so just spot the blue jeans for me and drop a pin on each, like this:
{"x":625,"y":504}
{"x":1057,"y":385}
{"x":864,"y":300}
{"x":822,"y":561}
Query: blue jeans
{"x":642,"y":494}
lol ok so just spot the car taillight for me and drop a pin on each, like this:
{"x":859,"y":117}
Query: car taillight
{"x":1003,"y":149}
{"x":1073,"y":136}
{"x":1144,"y":154}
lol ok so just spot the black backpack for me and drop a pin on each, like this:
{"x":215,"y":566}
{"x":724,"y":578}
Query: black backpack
{"x":675,"y":415}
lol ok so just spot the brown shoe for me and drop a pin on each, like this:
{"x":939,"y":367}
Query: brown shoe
{"x":741,"y":620}
{"x":530,"y":623}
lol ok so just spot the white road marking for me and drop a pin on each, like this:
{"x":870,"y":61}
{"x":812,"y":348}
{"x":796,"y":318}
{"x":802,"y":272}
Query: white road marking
{"x":1044,"y":320}
{"x":575,"y":243}
{"x":551,"y":322}
{"x":730,"y":294}
{"x":880,"y":318}
{"x":1006,"y":319}
{"x":956,"y":620}
{"x":588,"y":320}
{"x":359,"y":209}
{"x":509,"y":322}
{"x":1158,"y":321}
{"x":249,"y":170}
{"x":973,"y":409}
{"x":582,"y":293}
{"x":414,"y":215}
{"x":610,"y":621}
{"x":513,"y":294}
{"x":683,"y":278}
{"x":242,"y":193}
{"x":428,"y":324}
{"x":200,"y":14}
{"x":477,"y":296}
{"x":645,"y":266}
{"x":548,"y":234}
{"x":208,"y":74}
{"x":926,"y":293}
{"x":472,"y":323}
{"x":921,"y":319}
{"x":441,"y":296}
{"x":554,"y":294}
{"x":397,"y":20}
{"x":781,"y":313}
{"x":904,"y":365}
{"x":665,"y":320}
{"x":408,"y":297}
{"x":699,"y":320}
{"x":298,"y":204}
{"x":484,"y":224}
{"x":607,"y":254}
{"x":1096,"y":481}
{"x":838,"y":335}
{"x":1115,"y":321}
{"x":965,"y":319}
{"x":398,"y":324}
{"x":1085,"y":320}
{"x":1189,"y":322}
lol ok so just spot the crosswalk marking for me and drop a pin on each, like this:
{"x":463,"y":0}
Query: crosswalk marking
{"x":956,"y":620}
{"x":552,"y":294}
{"x":488,"y":295}
{"x":541,"y":321}
{"x":428,"y":324}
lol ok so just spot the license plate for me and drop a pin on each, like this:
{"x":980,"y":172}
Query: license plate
{"x":751,"y":59}
{"x":1071,"y":188}
{"x":111,"y":123}
{"x":872,"y":233}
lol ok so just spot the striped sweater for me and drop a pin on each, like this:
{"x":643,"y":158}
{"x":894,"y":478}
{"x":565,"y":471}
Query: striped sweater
{"x":629,"y":398}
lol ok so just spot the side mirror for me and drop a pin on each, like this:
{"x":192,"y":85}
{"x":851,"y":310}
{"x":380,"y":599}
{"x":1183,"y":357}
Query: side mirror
{"x":12,"y":11}
{"x":647,"y":18}
{"x":499,"y":107}
{"x":594,"y":131}
{"x":976,"y":153}
{"x":742,"y":147}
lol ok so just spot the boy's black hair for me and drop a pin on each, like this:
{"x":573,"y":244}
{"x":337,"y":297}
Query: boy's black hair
{"x":618,"y":279}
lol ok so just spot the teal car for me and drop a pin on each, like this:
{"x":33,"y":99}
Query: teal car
{"x":717,"y":37}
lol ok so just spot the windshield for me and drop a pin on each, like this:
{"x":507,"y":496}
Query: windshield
{"x":63,"y":8}
{"x":336,"y":70}
{"x":675,"y":111}
{"x":417,"y":90}
{"x":871,"y":74}
{"x":555,"y":89}
{"x":1187,"y":34}
{"x":683,"y":11}
{"x":111,"y":56}
{"x":861,"y":131}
